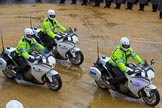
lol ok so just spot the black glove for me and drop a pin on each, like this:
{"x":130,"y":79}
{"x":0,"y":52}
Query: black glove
{"x":138,"y":72}
{"x":39,"y":58}
{"x":31,"y":59}
{"x":58,"y":37}
{"x":130,"y":72}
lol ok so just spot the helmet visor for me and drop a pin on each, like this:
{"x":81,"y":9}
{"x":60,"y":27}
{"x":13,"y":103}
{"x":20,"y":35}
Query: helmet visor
{"x":52,"y":16}
{"x":126,"y":46}
{"x":29,"y":36}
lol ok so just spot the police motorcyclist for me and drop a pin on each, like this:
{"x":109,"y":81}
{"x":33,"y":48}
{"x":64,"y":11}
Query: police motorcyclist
{"x":119,"y":60}
{"x":24,"y":49}
{"x":47,"y":34}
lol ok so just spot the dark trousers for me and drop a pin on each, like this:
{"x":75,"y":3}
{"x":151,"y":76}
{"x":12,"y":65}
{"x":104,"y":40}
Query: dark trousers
{"x":47,"y":41}
{"x":124,"y":2}
{"x":74,"y":1}
{"x":21,"y":62}
{"x":154,"y":7}
{"x":85,"y":2}
{"x":136,"y":1}
{"x":62,"y":1}
{"x":160,"y":15}
{"x":118,"y":5}
{"x":129,"y":5}
{"x":97,"y":2}
{"x":141,"y":7}
{"x":108,"y":4}
{"x":118,"y":76}
{"x":37,"y":0}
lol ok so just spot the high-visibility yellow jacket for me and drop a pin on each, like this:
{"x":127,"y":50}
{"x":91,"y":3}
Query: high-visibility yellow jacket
{"x":119,"y":58}
{"x":48,"y":27}
{"x":24,"y":47}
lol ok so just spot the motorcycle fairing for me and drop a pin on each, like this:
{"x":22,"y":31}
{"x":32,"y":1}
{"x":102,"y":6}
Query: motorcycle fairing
{"x":39,"y":70}
{"x":74,"y":50}
{"x":64,"y":47}
{"x":135,"y":84}
{"x":50,"y":74}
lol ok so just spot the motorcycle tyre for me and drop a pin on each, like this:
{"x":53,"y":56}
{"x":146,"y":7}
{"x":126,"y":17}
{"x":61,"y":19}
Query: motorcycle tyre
{"x":100,"y":85}
{"x":81,"y":58}
{"x":54,"y":78}
{"x":5,"y":72}
{"x":146,"y":99}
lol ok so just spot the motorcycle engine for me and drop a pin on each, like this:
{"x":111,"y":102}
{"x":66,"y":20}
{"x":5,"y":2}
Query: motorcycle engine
{"x":123,"y":89}
{"x":28,"y":75}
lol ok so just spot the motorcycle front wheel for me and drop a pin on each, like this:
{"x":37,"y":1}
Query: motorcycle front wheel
{"x":56,"y":83}
{"x":154,"y":98}
{"x":78,"y":59}
{"x":7,"y":74}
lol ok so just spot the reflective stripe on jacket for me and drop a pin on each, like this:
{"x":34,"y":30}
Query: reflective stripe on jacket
{"x":119,"y":58}
{"x":48,"y":27}
{"x":24,"y":47}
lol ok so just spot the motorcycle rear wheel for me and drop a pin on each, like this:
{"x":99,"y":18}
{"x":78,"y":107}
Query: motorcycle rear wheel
{"x":56,"y":83}
{"x":78,"y":59}
{"x":101,"y":85}
{"x":6,"y":73}
{"x":154,"y":98}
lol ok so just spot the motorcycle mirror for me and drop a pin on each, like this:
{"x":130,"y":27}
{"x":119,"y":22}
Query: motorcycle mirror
{"x":75,"y":29}
{"x":152,"y":61}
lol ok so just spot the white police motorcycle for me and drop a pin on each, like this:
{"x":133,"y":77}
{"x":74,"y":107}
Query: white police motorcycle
{"x":66,"y":46}
{"x":140,"y":84}
{"x":40,"y":71}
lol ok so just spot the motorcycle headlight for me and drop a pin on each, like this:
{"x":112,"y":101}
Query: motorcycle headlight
{"x":73,"y":38}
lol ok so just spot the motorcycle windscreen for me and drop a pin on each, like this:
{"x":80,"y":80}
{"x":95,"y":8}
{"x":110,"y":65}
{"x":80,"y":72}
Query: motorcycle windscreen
{"x":73,"y":38}
{"x":3,"y":64}
{"x":50,"y":60}
{"x":95,"y":73}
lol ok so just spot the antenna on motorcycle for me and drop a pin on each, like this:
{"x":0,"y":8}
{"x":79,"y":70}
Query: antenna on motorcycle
{"x":30,"y":21}
{"x":97,"y":51}
{"x":70,"y":29}
{"x":2,"y":41}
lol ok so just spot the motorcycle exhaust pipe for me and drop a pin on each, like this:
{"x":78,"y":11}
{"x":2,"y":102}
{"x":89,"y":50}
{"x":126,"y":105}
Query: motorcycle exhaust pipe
{"x":12,"y":72}
{"x":107,"y":84}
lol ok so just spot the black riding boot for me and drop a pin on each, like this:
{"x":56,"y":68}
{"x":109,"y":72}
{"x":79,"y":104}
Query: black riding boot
{"x":141,"y":7}
{"x":131,"y":6}
{"x":160,"y":15}
{"x":118,"y":5}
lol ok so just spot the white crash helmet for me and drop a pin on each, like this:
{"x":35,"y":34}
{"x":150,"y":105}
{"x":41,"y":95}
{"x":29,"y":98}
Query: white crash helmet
{"x":14,"y":104}
{"x":51,"y":14}
{"x":124,"y":43}
{"x":28,"y":33}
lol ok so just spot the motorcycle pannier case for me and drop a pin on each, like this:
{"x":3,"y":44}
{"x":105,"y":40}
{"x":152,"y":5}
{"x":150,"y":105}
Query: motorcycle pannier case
{"x":95,"y":73}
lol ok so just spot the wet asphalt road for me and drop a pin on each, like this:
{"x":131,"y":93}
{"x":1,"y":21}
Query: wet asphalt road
{"x":94,"y":24}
